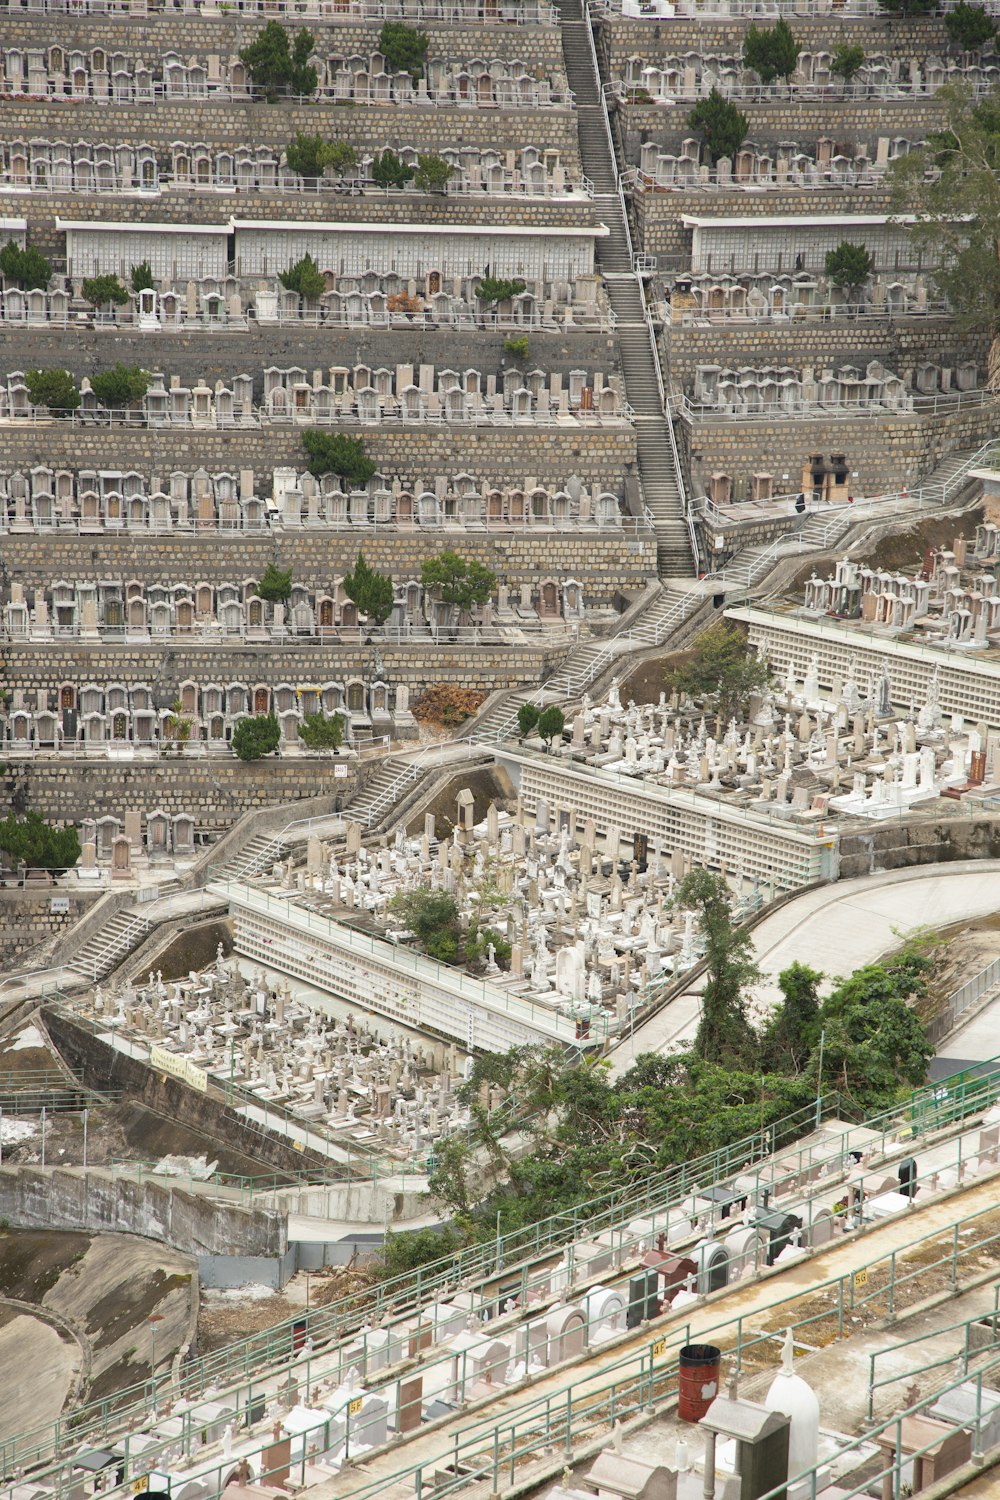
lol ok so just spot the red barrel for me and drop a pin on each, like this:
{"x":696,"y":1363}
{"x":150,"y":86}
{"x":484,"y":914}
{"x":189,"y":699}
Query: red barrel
{"x":700,"y":1366}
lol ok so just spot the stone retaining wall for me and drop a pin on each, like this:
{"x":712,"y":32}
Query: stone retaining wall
{"x":882,"y":452}
{"x":606,"y":564}
{"x":195,"y":356}
{"x":598,"y":455}
{"x":187,"y":206}
{"x":803,"y":121}
{"x":621,"y":37}
{"x":901,"y":344}
{"x":657,"y":214}
{"x":230,"y":123}
{"x":27,"y":920}
{"x":214,"y":791}
{"x":483,"y":668}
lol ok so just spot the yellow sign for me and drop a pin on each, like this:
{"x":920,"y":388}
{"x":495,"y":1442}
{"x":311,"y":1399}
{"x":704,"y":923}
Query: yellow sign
{"x":659,"y":1347}
{"x":178,"y":1067}
{"x":861,"y":1277}
{"x":138,"y":1485}
{"x":353,"y":1407}
{"x":297,"y":1146}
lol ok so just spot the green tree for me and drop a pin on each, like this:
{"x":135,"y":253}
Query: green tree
{"x":55,"y":389}
{"x":722,"y":127}
{"x":26,"y":268}
{"x":432,"y":917}
{"x":792,"y":1030}
{"x":141,"y":277}
{"x":305,"y":278}
{"x":724,"y":666}
{"x":255,"y":737}
{"x":37,"y":844}
{"x":390,"y":171}
{"x":178,"y":724}
{"x":310,"y":155}
{"x":279,"y":66}
{"x":336,"y":453}
{"x":408,"y":1249}
{"x":723,"y":1031}
{"x":433,"y":173}
{"x":494,"y":289}
{"x":551,"y":724}
{"x":849,"y":266}
{"x":527,"y":717}
{"x":847,"y":61}
{"x":317,"y":732}
{"x":121,"y":386}
{"x":952,"y":186}
{"x":458,"y":581}
{"x":969,"y":27}
{"x":908,"y":7}
{"x":99,"y":291}
{"x":516,"y":346}
{"x":771,"y":52}
{"x":275,"y":584}
{"x":404,"y":50}
{"x":370,"y":590}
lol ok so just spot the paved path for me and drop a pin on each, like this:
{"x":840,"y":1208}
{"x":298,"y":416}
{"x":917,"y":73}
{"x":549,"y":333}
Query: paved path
{"x":836,"y":929}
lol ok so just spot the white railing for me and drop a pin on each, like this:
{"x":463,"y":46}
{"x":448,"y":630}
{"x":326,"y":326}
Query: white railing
{"x":596,"y":320}
{"x":833,"y":93}
{"x":149,"y":93}
{"x":716,"y":10}
{"x":799,"y":314}
{"x":252,"y":416}
{"x":329,"y":12}
{"x":941,"y":404}
{"x":456,"y":525}
{"x":166,"y":183}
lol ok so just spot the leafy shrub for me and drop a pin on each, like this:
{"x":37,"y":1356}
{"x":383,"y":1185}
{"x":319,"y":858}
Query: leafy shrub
{"x":55,"y":389}
{"x":279,"y":66}
{"x":305,"y":278}
{"x":969,"y":27}
{"x":142,"y":278}
{"x":433,"y":173}
{"x":722,"y":127}
{"x":771,"y":52}
{"x":121,"y":386}
{"x":370,"y":590}
{"x":336,"y":453}
{"x":390,"y":171}
{"x":275,"y":585}
{"x":848,"y":266}
{"x":317,"y":732}
{"x":256,"y":737}
{"x":493,"y":289}
{"x":27,"y":268}
{"x":100,"y":290}
{"x":404,"y":49}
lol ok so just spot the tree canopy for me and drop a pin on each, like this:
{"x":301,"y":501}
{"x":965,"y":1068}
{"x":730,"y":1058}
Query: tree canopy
{"x":26,"y":268}
{"x":317,"y":732}
{"x":37,"y":844}
{"x":255,"y":737}
{"x":370,"y":590}
{"x":969,"y":26}
{"x":433,"y":173}
{"x":278,"y":65}
{"x":528,"y":715}
{"x":142,"y":278}
{"x":55,"y":389}
{"x":499,"y":289}
{"x":336,"y":453}
{"x":722,"y":665}
{"x":848,"y":266}
{"x":551,"y":723}
{"x":771,"y":51}
{"x":952,"y":184}
{"x":459,"y":581}
{"x":100,"y":290}
{"x":310,"y":155}
{"x":305,"y":278}
{"x":275,"y":584}
{"x":404,"y":49}
{"x":724,"y":1031}
{"x":847,"y":61}
{"x":390,"y":171}
{"x":121,"y":386}
{"x":722,"y":127}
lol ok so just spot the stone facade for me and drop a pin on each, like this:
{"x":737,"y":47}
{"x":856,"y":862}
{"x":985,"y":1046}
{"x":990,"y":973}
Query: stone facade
{"x":214,"y":792}
{"x":883,"y":452}
{"x":27,"y":920}
{"x":658,"y":213}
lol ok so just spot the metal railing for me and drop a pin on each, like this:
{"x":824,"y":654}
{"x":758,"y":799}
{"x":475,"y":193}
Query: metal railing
{"x":962,"y":1000}
{"x":447,"y":96}
{"x":910,"y":405}
{"x":257,"y":417}
{"x":458,"y":186}
{"x":273,"y":522}
{"x":833,"y":92}
{"x":330,"y":12}
{"x":598,"y":321}
{"x":800,"y":314}
{"x":716,"y":10}
{"x":562,"y":634}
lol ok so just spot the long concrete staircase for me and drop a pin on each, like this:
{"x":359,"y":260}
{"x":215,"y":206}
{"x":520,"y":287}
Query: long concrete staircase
{"x":659,"y":468}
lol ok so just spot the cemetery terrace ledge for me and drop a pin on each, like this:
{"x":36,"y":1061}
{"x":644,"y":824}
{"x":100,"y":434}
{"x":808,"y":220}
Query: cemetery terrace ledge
{"x":968,"y":682}
{"x":396,"y":982}
{"x":677,"y":820}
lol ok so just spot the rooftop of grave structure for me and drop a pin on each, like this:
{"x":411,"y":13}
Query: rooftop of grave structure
{"x":341,"y":1084}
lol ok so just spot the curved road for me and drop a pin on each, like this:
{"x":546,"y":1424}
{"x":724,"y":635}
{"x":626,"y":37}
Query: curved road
{"x":836,"y":929}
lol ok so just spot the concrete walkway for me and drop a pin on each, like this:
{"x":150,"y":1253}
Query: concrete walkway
{"x":836,"y":929}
